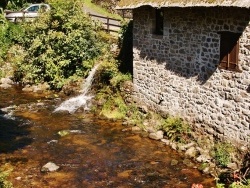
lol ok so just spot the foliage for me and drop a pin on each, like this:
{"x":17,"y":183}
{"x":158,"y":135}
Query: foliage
{"x":16,"y":4}
{"x":59,"y":44}
{"x":117,"y":80}
{"x":235,"y":185}
{"x":107,"y":71}
{"x":9,"y":34}
{"x":114,"y":108}
{"x":176,"y":129}
{"x":240,"y":185}
{"x":3,"y":182}
{"x":220,"y":185}
{"x":222,"y":153}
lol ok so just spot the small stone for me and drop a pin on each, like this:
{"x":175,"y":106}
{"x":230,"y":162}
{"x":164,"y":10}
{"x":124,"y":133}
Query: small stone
{"x":167,"y":142}
{"x":156,"y":136}
{"x":174,"y":162}
{"x":27,"y":89}
{"x":206,"y":170}
{"x":6,"y":81}
{"x":135,"y":129}
{"x":50,"y":167}
{"x":52,"y":142}
{"x":191,"y":152}
{"x":18,"y":178}
{"x":233,"y":166}
{"x":187,"y":146}
{"x":150,"y":129}
{"x":5,"y":86}
{"x":174,"y":146}
{"x":203,"y":158}
{"x":188,"y":162}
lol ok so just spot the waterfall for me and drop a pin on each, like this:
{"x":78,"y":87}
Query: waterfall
{"x":72,"y":104}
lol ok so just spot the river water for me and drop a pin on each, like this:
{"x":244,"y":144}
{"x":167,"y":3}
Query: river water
{"x":96,"y":153}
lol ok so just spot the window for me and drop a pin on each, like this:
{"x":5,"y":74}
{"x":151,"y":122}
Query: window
{"x":158,"y":22}
{"x":229,"y":51}
{"x":33,"y":8}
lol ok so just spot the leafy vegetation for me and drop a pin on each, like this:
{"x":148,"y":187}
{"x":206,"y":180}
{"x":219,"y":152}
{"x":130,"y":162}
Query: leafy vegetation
{"x":222,"y":153}
{"x":176,"y":129}
{"x":58,"y":45}
{"x":3,"y":179}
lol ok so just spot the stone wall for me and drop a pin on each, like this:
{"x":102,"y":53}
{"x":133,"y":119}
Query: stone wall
{"x":178,"y":72}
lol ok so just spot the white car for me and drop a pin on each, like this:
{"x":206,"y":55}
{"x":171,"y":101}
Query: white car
{"x":26,"y":14}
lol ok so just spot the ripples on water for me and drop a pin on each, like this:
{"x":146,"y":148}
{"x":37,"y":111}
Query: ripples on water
{"x":96,"y":153}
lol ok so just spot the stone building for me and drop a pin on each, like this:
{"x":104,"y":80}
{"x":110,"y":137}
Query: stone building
{"x":191,"y":59}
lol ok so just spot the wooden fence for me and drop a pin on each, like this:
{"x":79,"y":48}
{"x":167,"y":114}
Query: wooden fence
{"x":109,"y":24}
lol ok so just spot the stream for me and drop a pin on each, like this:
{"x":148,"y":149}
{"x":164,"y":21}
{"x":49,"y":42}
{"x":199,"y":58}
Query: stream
{"x":94,"y":153}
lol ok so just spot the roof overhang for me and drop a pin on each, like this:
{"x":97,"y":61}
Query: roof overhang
{"x":133,"y":4}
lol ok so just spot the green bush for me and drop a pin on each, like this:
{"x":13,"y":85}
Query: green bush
{"x":114,"y":107}
{"x":222,"y":153}
{"x":107,"y":71}
{"x":176,"y":129}
{"x":3,"y":182}
{"x":9,"y":33}
{"x":119,"y":78}
{"x":58,"y":45}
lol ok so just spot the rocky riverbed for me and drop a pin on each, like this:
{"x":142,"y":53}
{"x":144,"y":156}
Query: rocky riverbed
{"x":90,"y":152}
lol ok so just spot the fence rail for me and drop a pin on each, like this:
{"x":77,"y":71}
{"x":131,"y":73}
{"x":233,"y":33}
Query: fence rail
{"x":109,"y":24}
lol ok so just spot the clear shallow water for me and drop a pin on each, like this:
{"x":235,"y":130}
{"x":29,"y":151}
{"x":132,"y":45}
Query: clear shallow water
{"x":97,"y":153}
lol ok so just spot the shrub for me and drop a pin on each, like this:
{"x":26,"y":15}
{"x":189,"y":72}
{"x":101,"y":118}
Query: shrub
{"x":222,"y":153}
{"x":114,"y":108}
{"x":176,"y":129}
{"x":9,"y":34}
{"x":59,"y":44}
{"x":3,"y":182}
{"x":119,"y":78}
{"x":107,"y":71}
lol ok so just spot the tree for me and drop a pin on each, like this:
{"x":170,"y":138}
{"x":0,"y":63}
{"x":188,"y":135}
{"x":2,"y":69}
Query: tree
{"x":17,"y":3}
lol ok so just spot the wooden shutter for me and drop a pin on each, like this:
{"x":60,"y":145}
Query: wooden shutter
{"x":229,"y":50}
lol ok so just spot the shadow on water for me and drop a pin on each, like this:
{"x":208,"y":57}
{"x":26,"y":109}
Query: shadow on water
{"x":13,"y":134}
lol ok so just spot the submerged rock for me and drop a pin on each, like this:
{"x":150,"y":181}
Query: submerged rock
{"x":66,"y":132}
{"x":49,"y":167}
{"x":174,"y":162}
{"x":63,"y":133}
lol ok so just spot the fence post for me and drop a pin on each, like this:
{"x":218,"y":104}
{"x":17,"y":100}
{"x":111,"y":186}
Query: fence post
{"x":108,"y":24}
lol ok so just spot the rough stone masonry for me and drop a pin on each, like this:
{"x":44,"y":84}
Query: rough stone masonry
{"x":178,"y":73}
